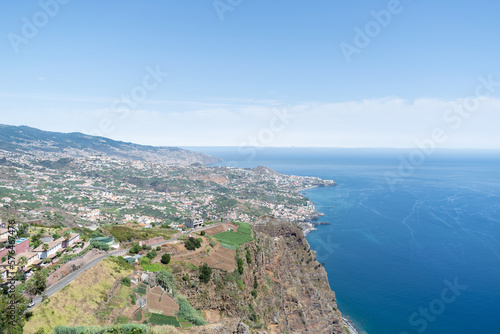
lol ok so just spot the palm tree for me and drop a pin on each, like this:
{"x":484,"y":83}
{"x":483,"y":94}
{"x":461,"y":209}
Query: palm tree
{"x":45,"y":248}
{"x":66,"y":236}
{"x":22,"y":261}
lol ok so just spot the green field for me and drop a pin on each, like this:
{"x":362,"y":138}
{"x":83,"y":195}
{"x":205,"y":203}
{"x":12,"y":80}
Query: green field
{"x":160,"y":319}
{"x":244,"y":234}
{"x":153,"y":267}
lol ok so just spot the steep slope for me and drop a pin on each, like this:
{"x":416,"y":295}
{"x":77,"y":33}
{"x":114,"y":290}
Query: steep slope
{"x":24,"y":139}
{"x":282,"y":289}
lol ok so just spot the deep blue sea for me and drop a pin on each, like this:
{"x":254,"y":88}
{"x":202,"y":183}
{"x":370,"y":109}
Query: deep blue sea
{"x":409,"y":249}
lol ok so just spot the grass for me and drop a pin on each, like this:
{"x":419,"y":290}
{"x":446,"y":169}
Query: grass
{"x":159,"y":319}
{"x":153,"y":267}
{"x":244,"y":234}
{"x":77,"y":305}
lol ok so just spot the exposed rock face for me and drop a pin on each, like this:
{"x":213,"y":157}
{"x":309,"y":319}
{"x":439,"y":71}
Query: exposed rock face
{"x":292,"y":293}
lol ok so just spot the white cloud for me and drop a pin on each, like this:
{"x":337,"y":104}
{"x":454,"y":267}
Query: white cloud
{"x":389,"y":122}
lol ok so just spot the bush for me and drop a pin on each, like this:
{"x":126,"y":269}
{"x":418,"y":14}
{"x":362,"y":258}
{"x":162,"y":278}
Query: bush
{"x":205,"y":273}
{"x":165,"y":279}
{"x":135,"y":249}
{"x":152,"y":254}
{"x":240,"y":266}
{"x":99,"y":245}
{"x":249,"y":256}
{"x":188,"y":312}
{"x":145,"y":260}
{"x":165,"y":258}
{"x":192,"y":243}
{"x":202,"y":233}
{"x":158,"y":248}
{"x":126,"y":281}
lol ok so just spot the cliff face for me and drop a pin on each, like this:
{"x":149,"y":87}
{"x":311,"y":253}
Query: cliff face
{"x":283,"y":289}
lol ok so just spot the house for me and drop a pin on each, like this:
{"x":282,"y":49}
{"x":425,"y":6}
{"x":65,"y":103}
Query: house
{"x":193,"y":222}
{"x":74,"y":237}
{"x":54,"y":247}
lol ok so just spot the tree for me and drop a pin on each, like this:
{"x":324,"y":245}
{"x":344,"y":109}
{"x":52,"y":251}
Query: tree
{"x":202,"y":233}
{"x":205,"y":273}
{"x":240,"y":266}
{"x":165,"y":279}
{"x":135,"y":249}
{"x":158,"y":248}
{"x":126,"y":281}
{"x":249,"y":256}
{"x":67,"y":235}
{"x":165,"y":258}
{"x":192,"y":243}
{"x":7,"y":313}
{"x":56,"y":236}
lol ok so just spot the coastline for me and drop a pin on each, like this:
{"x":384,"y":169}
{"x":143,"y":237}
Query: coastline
{"x":308,"y":227}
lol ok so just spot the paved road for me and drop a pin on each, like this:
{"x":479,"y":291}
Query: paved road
{"x":69,"y":278}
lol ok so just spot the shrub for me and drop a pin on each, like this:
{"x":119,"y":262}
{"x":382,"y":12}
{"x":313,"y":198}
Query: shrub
{"x":126,"y":281}
{"x":165,"y":279}
{"x":165,"y":258}
{"x":240,"y":266}
{"x":158,"y":248}
{"x":135,"y":249}
{"x":188,"y":312}
{"x":202,"y":233}
{"x":249,"y":256}
{"x":205,"y":273}
{"x":192,"y":243}
{"x":152,"y":254}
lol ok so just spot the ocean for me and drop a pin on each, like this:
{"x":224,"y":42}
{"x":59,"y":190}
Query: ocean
{"x":413,"y":246}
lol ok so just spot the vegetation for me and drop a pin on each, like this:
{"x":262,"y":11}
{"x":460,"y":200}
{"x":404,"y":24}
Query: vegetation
{"x":118,"y":329}
{"x":165,"y":279}
{"x":165,"y":258}
{"x":159,"y":319}
{"x":99,"y":245}
{"x":188,"y":312}
{"x":152,"y":254}
{"x":126,"y":281}
{"x":135,"y":249}
{"x":249,"y":256}
{"x":240,"y":265}
{"x":205,"y":273}
{"x":244,"y":234}
{"x":192,"y":243}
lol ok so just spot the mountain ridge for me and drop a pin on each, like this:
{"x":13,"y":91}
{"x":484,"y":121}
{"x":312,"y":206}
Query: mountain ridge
{"x":26,"y":139}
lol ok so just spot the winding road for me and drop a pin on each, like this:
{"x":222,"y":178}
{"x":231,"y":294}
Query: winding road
{"x":69,"y":278}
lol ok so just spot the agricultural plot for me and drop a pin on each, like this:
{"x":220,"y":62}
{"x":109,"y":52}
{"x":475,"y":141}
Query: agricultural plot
{"x":162,"y":303}
{"x":158,"y":319}
{"x":244,"y":234}
{"x":220,"y":258}
{"x":141,"y":289}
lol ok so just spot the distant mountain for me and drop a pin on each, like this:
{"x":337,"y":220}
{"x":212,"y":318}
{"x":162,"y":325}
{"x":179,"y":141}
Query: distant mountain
{"x":24,"y":139}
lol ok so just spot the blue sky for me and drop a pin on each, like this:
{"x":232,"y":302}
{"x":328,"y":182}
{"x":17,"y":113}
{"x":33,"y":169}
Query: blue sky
{"x":229,"y":79}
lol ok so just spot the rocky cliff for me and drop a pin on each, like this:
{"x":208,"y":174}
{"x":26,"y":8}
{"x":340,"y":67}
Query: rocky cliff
{"x":282,"y":288}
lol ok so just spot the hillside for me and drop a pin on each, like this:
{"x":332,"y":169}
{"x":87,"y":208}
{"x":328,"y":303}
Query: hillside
{"x":24,"y":139}
{"x":275,"y":286}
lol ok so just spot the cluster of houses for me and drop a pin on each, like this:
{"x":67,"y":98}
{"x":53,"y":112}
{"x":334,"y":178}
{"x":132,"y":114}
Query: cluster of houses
{"x":33,"y":257}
